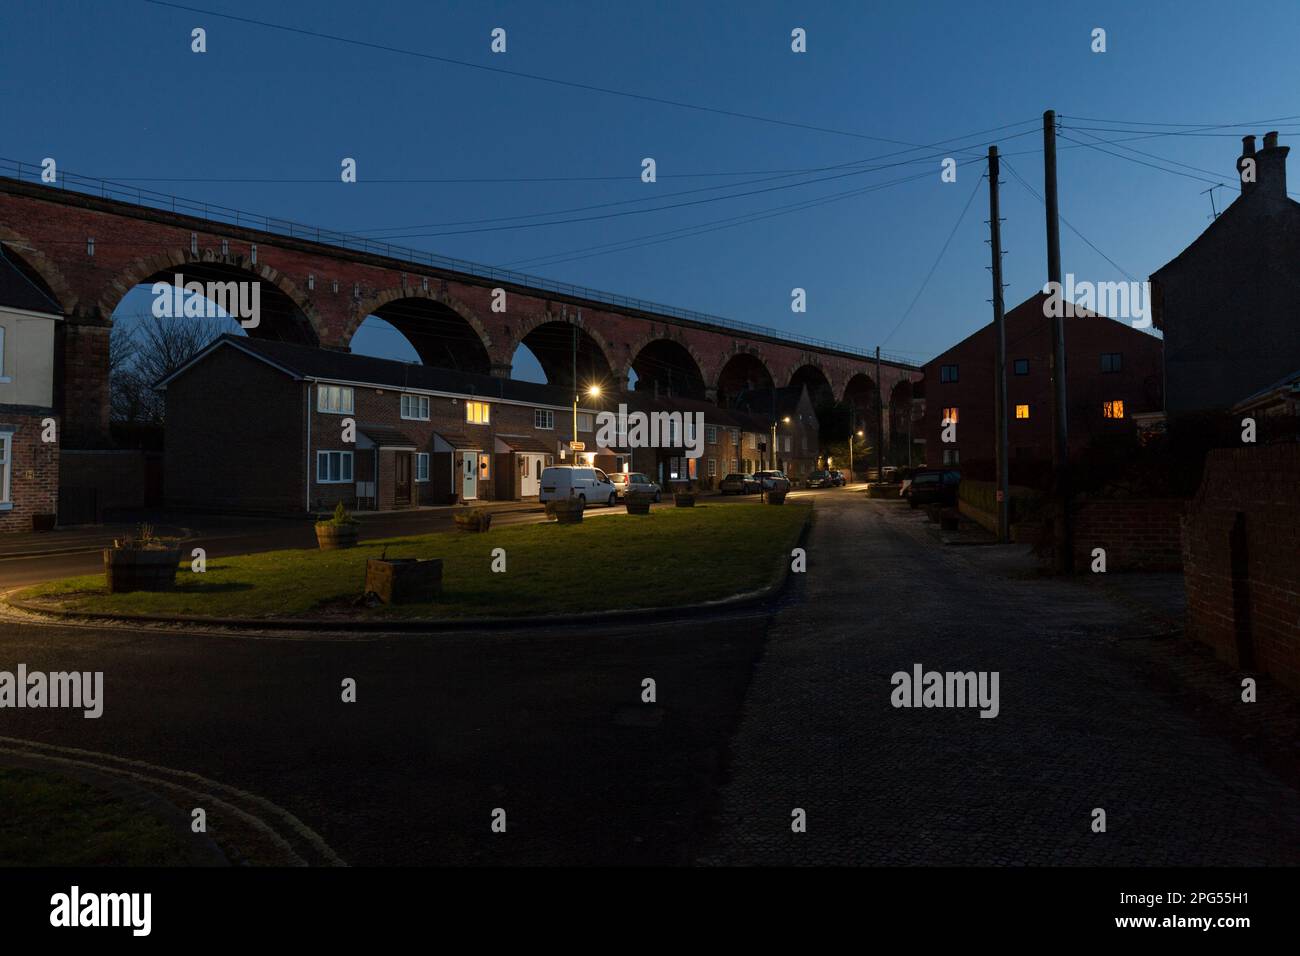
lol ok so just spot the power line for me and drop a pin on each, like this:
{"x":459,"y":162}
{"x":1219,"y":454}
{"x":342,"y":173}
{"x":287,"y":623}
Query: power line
{"x":519,"y":74}
{"x":937,"y":259}
{"x":686,"y":232}
{"x":687,"y":192}
{"x":1068,"y":224}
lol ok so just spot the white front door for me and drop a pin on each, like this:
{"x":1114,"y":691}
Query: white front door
{"x":469,"y":484}
{"x":530,"y":474}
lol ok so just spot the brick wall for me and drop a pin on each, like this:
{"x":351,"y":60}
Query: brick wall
{"x":1136,"y":532}
{"x":117,"y":476}
{"x":34,"y":472}
{"x":1241,"y":559}
{"x":234,"y":438}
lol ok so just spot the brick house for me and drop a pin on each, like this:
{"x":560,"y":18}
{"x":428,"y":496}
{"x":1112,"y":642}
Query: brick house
{"x":732,"y":440}
{"x":1227,"y":303}
{"x":798,"y":437}
{"x":262,"y":426}
{"x":29,"y":422}
{"x":1113,"y":372}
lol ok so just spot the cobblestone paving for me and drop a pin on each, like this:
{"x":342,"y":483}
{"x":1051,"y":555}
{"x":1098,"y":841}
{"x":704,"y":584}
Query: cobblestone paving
{"x":1077,"y":729}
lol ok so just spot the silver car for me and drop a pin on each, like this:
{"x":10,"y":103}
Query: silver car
{"x":625,"y":481}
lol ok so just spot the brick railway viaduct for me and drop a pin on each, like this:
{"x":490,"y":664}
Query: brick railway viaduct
{"x":317,"y":287}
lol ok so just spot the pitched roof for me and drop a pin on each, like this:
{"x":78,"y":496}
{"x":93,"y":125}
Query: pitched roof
{"x":19,"y":292}
{"x":385,"y":437}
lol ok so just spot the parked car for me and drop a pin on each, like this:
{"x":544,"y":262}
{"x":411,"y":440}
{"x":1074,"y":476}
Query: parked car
{"x":820,"y":479}
{"x":738,"y":484}
{"x":625,"y":481}
{"x":590,"y":484}
{"x":772,"y":480}
{"x":838,"y":478}
{"x":932,"y":486}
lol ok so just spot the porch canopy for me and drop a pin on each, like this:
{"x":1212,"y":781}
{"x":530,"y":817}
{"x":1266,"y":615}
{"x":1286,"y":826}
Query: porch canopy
{"x":380,"y":436}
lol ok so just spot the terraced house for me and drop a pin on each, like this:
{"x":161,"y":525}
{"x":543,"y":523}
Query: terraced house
{"x":275,"y":427}
{"x":29,"y":421}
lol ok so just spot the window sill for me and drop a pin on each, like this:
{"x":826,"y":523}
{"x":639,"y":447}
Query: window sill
{"x":6,"y":506}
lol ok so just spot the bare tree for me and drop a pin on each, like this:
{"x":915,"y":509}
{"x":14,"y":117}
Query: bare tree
{"x":140,"y":356}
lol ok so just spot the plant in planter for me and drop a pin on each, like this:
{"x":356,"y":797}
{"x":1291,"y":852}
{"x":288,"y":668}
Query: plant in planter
{"x":142,"y":562}
{"x":475,"y":519}
{"x":566,"y":510}
{"x":684,"y":497}
{"x":638,"y":502}
{"x":776,"y":497}
{"x":340,"y":531}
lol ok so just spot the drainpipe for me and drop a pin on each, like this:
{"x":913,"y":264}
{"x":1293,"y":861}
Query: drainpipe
{"x":307,"y":475}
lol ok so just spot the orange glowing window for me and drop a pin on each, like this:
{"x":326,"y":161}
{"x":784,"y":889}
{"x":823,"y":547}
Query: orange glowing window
{"x":1022,"y":411}
{"x":1113,"y":409}
{"x":950,"y":414}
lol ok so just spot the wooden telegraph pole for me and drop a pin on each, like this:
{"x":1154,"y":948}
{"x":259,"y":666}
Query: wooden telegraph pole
{"x":1000,"y":351}
{"x":1063,"y":557}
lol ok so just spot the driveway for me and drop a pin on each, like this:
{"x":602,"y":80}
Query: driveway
{"x":1078,"y":729}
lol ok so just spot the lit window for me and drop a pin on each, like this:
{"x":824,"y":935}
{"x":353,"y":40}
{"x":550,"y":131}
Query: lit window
{"x":333,"y":467}
{"x":484,"y":467}
{"x":947,"y":373}
{"x":543,"y":418}
{"x":478,"y":413}
{"x":1022,"y":366}
{"x":1112,"y":362}
{"x":416,"y":407}
{"x":1113,"y":409}
{"x":334,"y":399}
{"x":950,"y":414}
{"x":422,"y":466}
{"x":1022,"y":411}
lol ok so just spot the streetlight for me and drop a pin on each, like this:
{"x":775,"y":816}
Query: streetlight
{"x":593,"y":391}
{"x":785,"y":420}
{"x":851,"y":434}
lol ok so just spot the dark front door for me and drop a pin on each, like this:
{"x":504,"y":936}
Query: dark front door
{"x":402,"y":477}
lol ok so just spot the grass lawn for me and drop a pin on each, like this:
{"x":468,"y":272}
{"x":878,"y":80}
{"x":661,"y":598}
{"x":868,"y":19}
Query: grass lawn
{"x":52,"y":820}
{"x":668,"y":558}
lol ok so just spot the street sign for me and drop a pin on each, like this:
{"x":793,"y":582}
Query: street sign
{"x":577,"y":446}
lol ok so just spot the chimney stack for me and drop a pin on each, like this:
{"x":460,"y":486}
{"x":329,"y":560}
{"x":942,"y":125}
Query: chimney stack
{"x":1247,"y":152}
{"x":1270,"y":169}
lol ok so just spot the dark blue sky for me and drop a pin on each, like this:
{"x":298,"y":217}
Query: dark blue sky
{"x":111,"y":89}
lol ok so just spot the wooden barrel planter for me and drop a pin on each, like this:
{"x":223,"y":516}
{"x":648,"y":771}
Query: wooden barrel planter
{"x":776,"y":497}
{"x":566,"y":510}
{"x":473,"y":521}
{"x":332,"y":537}
{"x":684,"y":499}
{"x":404,"y":580}
{"x":638,"y":503}
{"x":140,"y":569}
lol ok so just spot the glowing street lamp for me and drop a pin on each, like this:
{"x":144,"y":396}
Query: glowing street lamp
{"x":851,"y":434}
{"x":593,"y":391}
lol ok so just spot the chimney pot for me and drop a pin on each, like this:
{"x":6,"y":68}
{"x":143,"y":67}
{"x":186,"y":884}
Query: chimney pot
{"x":1270,"y":139}
{"x":1248,"y":146}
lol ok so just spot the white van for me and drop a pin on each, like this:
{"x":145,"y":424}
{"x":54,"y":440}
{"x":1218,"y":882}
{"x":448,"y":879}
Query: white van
{"x":590,"y":484}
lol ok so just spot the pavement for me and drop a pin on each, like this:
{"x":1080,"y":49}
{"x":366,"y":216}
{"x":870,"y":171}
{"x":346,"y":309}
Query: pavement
{"x":1079,"y":728}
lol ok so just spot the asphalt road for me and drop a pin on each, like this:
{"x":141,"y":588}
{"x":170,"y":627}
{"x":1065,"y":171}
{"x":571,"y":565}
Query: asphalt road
{"x":757,"y":713}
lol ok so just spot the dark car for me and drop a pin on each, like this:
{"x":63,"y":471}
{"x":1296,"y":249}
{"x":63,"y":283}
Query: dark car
{"x":932,"y":486}
{"x":837,"y":476}
{"x":738,"y":484}
{"x":820,"y":479}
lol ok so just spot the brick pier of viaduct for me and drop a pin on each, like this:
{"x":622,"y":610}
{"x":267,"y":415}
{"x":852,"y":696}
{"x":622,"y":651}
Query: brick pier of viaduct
{"x":89,"y":252}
